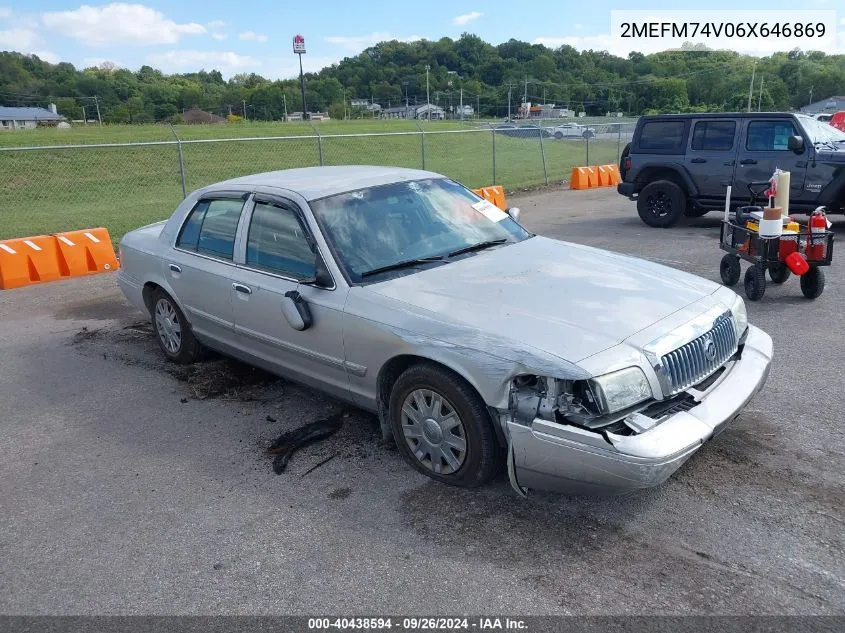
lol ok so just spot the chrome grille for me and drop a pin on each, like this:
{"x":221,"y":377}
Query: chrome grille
{"x":691,"y":363}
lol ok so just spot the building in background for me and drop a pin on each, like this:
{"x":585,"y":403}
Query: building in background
{"x":831,"y":104}
{"x":422,"y":112}
{"x":13,"y":118}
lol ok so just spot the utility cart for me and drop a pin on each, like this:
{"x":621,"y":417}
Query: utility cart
{"x":805,"y":251}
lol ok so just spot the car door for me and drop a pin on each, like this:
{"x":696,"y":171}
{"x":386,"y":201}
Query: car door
{"x":763,"y":149}
{"x":279,"y":255}
{"x":200,"y":267}
{"x":711,"y":156}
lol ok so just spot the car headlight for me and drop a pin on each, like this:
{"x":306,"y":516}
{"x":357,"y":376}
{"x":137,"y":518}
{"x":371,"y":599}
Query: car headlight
{"x":740,"y":318}
{"x":620,"y":389}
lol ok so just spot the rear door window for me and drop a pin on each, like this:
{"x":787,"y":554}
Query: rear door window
{"x":769,"y":136}
{"x":210,"y":228}
{"x":663,"y":137}
{"x":714,"y":136}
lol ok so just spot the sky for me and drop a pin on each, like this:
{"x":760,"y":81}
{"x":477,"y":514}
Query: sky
{"x":255,"y":36}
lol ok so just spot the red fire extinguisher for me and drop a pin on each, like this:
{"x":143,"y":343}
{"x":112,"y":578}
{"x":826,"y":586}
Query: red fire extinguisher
{"x":817,"y":238}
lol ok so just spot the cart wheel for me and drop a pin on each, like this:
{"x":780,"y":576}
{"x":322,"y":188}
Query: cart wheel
{"x":812,"y":282}
{"x":729,"y":270}
{"x":755,"y":283}
{"x":779,"y":273}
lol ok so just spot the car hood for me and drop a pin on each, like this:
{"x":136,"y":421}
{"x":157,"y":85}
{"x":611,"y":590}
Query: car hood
{"x":568,"y":300}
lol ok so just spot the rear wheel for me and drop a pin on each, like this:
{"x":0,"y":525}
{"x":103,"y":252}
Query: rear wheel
{"x":661,"y":204}
{"x":812,"y":282}
{"x":729,"y":270}
{"x":172,"y":331}
{"x":755,"y":283}
{"x":442,"y":427}
{"x":558,"y":135}
{"x":779,"y":273}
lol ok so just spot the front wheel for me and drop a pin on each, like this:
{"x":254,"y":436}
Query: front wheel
{"x":442,"y":427}
{"x":812,"y":282}
{"x":729,"y":270}
{"x":755,"y":283}
{"x":558,"y":135}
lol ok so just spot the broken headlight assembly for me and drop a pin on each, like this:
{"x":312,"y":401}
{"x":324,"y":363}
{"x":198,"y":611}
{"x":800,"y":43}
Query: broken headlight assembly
{"x":740,"y":319}
{"x":591,"y":402}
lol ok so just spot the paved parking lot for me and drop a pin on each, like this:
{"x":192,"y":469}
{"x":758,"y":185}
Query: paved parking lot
{"x":128,"y":485}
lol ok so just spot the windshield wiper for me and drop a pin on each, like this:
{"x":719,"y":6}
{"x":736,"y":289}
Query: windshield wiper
{"x":478,"y":247}
{"x":408,"y":263}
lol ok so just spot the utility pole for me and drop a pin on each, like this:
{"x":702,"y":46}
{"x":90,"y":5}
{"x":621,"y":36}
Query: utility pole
{"x":244,"y":109}
{"x":760,"y":98}
{"x":100,"y":119}
{"x":525,"y":94}
{"x":510,"y":89}
{"x":811,"y":96}
{"x":285,"y":100}
{"x":751,"y":86}
{"x":462,"y":103}
{"x":427,"y":97}
{"x":84,"y":118}
{"x":477,"y":106}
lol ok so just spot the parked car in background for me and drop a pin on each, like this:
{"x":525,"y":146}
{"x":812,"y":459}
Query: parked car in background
{"x":477,"y":343}
{"x":573,"y":130}
{"x":682,"y":164}
{"x":523,"y":130}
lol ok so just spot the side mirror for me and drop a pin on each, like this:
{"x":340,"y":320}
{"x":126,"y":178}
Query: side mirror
{"x":295,"y":311}
{"x":795,"y":144}
{"x":514,"y":213}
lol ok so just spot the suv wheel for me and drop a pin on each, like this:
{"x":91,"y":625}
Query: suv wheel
{"x":661,"y":204}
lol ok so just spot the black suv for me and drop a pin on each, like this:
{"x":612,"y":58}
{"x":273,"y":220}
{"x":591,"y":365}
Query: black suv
{"x":681,"y":164}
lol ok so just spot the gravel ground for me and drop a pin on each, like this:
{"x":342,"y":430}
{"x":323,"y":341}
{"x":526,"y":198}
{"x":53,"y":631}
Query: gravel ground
{"x":131,"y":486}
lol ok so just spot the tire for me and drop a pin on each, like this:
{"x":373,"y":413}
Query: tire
{"x":755,"y":283}
{"x":812,"y":282}
{"x":423,"y":442}
{"x":625,"y":153}
{"x":779,"y":273}
{"x":661,"y":204}
{"x":558,"y":135}
{"x":730,"y":270}
{"x":172,"y":331}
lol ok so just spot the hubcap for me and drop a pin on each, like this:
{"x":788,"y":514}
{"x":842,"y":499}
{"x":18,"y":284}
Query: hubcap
{"x":434,"y":431}
{"x":659,"y":204}
{"x":167,"y":325}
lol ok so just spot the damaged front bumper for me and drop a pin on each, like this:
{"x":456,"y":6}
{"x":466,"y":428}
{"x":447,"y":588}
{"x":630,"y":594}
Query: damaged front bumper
{"x":547,"y":455}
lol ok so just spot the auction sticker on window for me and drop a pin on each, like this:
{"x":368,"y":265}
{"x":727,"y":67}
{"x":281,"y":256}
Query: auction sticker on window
{"x":490,"y":210}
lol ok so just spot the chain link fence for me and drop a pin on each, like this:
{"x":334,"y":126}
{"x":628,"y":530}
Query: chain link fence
{"x":125,"y":185}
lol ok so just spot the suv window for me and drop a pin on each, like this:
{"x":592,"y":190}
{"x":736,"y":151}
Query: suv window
{"x":277,"y":242}
{"x":717,"y":136}
{"x":210,"y":228}
{"x":768,"y":136}
{"x":663,"y":136}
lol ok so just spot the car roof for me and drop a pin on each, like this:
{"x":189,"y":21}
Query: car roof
{"x":313,"y":183}
{"x":722,"y":115}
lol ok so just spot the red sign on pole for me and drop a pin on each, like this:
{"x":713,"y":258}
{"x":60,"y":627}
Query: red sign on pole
{"x":298,"y":44}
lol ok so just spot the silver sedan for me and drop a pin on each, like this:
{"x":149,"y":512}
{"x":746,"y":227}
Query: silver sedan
{"x":479,"y":345}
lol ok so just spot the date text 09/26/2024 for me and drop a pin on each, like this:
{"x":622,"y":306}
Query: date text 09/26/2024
{"x":417,"y":624}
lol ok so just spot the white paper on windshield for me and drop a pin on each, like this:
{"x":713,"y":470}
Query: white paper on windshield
{"x":490,"y":210}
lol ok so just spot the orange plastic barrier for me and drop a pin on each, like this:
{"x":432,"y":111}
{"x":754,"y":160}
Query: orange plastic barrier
{"x":590,"y":177}
{"x":494,"y":194}
{"x":86,"y":252}
{"x":584,"y":178}
{"x":33,"y":260}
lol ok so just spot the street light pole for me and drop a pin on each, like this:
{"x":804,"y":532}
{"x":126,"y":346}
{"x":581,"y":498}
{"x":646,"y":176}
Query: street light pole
{"x":299,"y":49}
{"x":427,"y":96}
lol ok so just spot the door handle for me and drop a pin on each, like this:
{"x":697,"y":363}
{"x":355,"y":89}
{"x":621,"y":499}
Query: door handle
{"x":175,"y":268}
{"x":241,"y":288}
{"x":748,"y":161}
{"x":699,"y":160}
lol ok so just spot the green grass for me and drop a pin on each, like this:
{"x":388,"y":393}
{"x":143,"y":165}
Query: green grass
{"x":50,"y":190}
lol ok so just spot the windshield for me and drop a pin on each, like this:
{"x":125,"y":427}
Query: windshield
{"x":379,"y":227}
{"x":821,"y":132}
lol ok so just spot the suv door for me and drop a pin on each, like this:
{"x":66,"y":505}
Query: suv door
{"x":279,"y":254}
{"x":763,"y":149}
{"x":200,"y":269}
{"x":711,"y":157}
